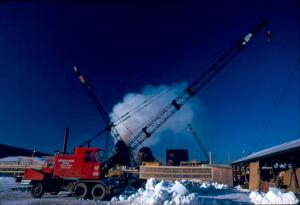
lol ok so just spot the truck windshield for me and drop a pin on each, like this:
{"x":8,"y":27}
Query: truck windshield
{"x":96,"y":157}
{"x":88,"y":156}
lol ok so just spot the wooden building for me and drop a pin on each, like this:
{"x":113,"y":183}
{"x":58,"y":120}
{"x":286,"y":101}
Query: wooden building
{"x":278,"y":166}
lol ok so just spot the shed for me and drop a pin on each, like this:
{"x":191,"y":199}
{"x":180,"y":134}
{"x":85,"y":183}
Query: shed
{"x":275,"y":166}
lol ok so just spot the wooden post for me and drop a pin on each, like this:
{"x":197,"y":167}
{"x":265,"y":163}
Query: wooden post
{"x":254,"y":176}
{"x":294,"y":185}
{"x":245,"y":171}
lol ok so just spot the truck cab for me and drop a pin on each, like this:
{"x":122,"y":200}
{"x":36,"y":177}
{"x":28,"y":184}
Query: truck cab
{"x":83,"y":164}
{"x":70,"y":172}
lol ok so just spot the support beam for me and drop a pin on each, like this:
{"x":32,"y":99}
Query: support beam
{"x":254,"y":176}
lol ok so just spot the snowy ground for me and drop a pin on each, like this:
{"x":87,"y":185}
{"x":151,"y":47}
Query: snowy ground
{"x":156,"y":192}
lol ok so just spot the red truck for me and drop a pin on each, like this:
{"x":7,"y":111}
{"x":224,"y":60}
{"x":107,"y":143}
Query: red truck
{"x":81,"y":173}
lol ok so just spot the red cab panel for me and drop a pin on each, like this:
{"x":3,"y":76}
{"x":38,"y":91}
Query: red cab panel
{"x":32,"y":174}
{"x":83,"y":164}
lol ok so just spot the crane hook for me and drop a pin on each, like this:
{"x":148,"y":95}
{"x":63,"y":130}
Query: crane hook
{"x":268,"y":35}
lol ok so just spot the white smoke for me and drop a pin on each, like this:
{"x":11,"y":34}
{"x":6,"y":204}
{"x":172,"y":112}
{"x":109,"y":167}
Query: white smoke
{"x":137,"y":109}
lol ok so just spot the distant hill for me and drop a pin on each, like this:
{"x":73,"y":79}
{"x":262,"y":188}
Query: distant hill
{"x":6,"y":151}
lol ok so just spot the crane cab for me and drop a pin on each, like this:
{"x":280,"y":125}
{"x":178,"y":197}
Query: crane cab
{"x":83,"y":164}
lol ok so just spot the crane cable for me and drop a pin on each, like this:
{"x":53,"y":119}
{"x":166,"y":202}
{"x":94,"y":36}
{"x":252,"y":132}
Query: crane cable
{"x":155,"y":97}
{"x":284,"y":91}
{"x":298,"y":9}
{"x":142,"y":106}
{"x":291,"y":76}
{"x":159,"y":94}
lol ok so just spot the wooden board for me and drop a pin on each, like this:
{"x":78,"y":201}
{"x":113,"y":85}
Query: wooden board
{"x":221,"y":174}
{"x":254,"y":176}
{"x":17,"y":168}
{"x":175,"y":172}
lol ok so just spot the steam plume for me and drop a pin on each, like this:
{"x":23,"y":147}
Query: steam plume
{"x":139,"y":108}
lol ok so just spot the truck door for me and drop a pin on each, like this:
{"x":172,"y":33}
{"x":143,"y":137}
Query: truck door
{"x":87,"y":167}
{"x":91,"y":167}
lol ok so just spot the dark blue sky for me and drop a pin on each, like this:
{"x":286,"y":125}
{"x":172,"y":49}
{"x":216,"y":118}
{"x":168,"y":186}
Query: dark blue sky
{"x":123,"y":47}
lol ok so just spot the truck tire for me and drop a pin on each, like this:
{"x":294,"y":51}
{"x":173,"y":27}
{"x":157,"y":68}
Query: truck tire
{"x":98,"y":191}
{"x":80,"y":190}
{"x":37,"y":189}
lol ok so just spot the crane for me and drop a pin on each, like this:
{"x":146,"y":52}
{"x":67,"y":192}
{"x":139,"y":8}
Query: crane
{"x":122,"y":150}
{"x":193,"y":88}
{"x":64,"y":172}
{"x":199,"y":143}
{"x":110,"y":128}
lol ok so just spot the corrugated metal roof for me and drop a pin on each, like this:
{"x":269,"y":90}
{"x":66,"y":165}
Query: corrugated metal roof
{"x":288,"y":146}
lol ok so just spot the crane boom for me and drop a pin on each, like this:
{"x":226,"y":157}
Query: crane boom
{"x":194,"y":87}
{"x":110,"y":128}
{"x":199,"y":143}
{"x":92,"y":95}
{"x":97,"y":103}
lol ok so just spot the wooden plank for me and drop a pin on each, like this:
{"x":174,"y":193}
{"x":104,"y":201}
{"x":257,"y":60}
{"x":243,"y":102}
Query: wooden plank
{"x":19,"y":166}
{"x":222,"y":175}
{"x":176,"y":173}
{"x":17,"y":170}
{"x":254,"y":176}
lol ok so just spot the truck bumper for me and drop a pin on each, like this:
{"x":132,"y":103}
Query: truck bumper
{"x":26,"y":182}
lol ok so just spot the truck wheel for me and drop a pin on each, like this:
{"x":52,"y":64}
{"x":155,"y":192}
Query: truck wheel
{"x":37,"y":190}
{"x":98,"y":192}
{"x":80,"y":190}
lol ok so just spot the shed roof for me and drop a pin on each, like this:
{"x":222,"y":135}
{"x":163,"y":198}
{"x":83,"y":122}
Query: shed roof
{"x":272,"y":151}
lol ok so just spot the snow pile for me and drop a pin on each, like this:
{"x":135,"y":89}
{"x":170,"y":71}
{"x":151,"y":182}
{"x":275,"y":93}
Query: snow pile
{"x":7,"y":183}
{"x":241,"y":189}
{"x":158,"y":192}
{"x":274,"y":196}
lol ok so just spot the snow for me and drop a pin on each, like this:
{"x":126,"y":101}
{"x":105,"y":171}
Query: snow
{"x":239,"y":188}
{"x":274,"y":196}
{"x":7,"y":183}
{"x":9,"y":159}
{"x":155,"y":192}
{"x":159,"y":192}
{"x":179,"y":189}
{"x":18,"y":158}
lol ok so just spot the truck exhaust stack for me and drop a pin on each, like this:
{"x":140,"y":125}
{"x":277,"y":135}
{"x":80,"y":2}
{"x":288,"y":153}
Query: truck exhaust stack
{"x":66,"y":137}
